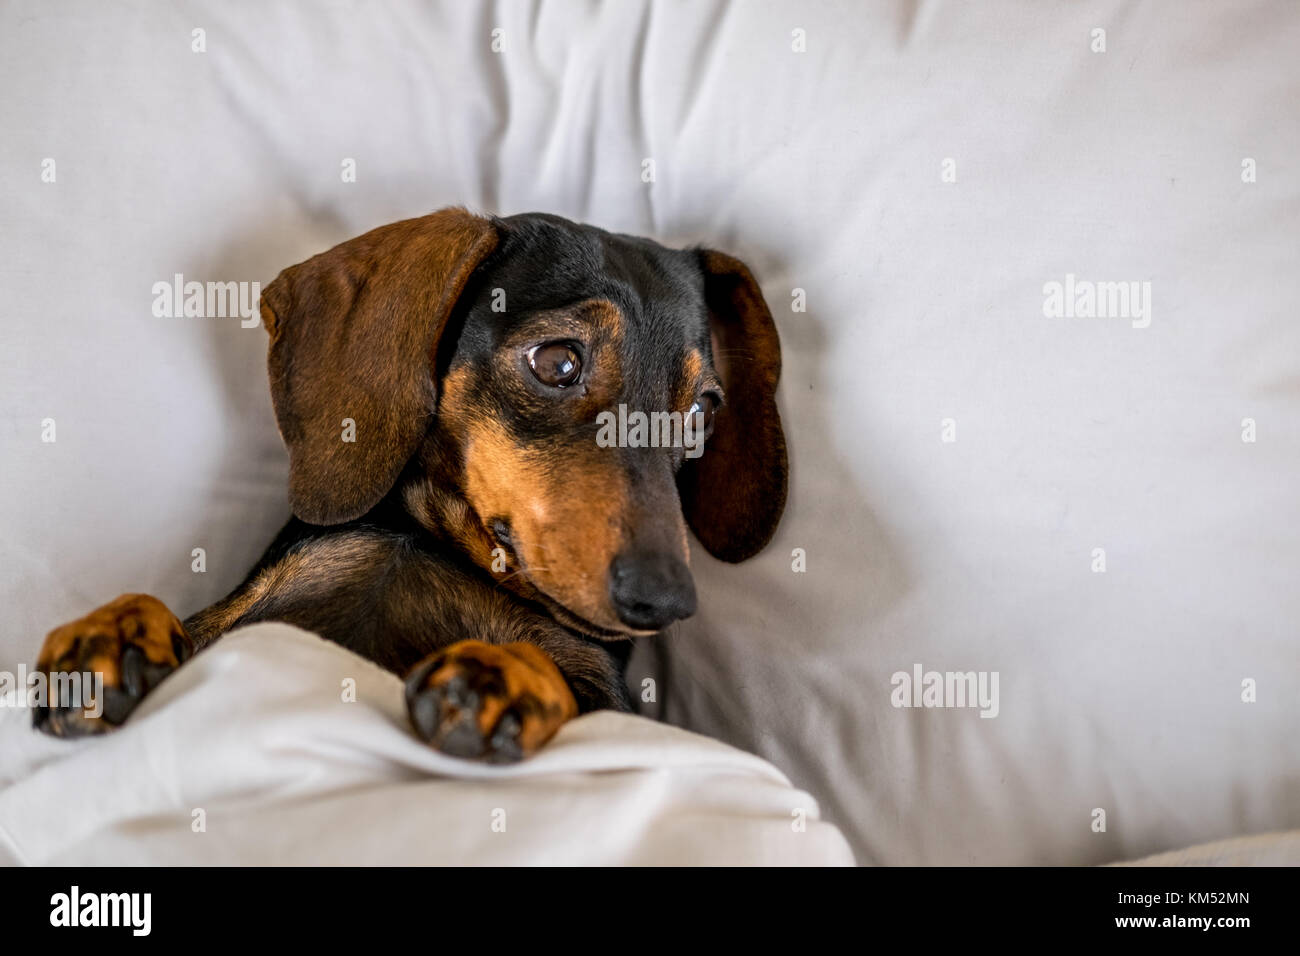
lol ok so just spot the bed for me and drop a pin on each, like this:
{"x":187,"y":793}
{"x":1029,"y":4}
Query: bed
{"x":1095,"y":503}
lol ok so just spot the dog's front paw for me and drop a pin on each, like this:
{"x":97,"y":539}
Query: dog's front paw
{"x":497,"y":702}
{"x":99,"y":667}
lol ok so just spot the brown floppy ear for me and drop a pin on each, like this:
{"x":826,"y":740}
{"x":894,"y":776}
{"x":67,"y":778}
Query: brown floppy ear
{"x":354,"y":335}
{"x":733,"y":495}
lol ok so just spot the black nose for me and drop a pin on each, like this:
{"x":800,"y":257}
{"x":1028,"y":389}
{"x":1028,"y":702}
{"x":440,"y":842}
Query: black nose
{"x":651,"y":590}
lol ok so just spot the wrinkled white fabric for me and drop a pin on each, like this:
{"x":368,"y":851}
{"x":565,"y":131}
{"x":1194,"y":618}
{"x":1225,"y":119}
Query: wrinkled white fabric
{"x":253,"y":754}
{"x":1263,"y":849}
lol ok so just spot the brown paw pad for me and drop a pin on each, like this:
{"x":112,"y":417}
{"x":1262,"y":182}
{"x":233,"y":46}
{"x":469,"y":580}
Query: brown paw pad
{"x":494,"y":702}
{"x":130,"y":644}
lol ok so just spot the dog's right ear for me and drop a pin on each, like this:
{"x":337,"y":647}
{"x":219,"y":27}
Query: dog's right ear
{"x":733,"y":496}
{"x":354,"y":338}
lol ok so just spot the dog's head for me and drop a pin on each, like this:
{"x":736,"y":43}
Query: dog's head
{"x":559,"y":400}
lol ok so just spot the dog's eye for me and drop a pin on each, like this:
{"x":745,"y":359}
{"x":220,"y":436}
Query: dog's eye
{"x":706,"y":405}
{"x":556,"y":363}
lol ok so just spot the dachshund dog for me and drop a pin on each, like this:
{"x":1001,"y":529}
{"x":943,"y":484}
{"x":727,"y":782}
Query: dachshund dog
{"x":438,"y":383}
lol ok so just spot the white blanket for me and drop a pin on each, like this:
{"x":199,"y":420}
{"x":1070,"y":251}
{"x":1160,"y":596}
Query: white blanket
{"x":1263,"y":849}
{"x":250,"y":754}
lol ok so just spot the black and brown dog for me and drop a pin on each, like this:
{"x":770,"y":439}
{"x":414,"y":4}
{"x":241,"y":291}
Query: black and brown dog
{"x":437,"y":382}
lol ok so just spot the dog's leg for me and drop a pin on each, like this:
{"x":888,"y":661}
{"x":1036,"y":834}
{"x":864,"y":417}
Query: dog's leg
{"x":123,"y":650}
{"x":500,"y":702}
{"x":129,"y":644}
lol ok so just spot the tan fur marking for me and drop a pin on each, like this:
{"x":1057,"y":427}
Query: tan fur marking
{"x":135,"y":618}
{"x":533,"y":685}
{"x":689,"y":383}
{"x":567,"y":526}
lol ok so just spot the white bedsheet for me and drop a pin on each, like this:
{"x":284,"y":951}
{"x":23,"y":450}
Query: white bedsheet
{"x":1261,"y":849}
{"x":824,"y":169}
{"x":255,"y":733}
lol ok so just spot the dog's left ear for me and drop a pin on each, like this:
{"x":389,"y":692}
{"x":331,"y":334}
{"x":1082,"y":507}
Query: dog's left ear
{"x":733,"y":495}
{"x":354,"y":336}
